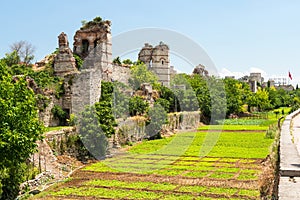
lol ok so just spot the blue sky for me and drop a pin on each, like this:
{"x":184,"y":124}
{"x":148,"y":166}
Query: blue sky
{"x":239,"y":36}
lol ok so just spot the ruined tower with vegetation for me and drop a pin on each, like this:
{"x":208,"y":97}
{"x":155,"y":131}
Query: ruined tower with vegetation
{"x":157,"y":60}
{"x":82,"y":86}
{"x":90,"y":62}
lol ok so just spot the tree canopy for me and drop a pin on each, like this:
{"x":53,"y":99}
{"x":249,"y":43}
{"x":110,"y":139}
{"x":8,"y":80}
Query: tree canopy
{"x":140,"y":74}
{"x":19,"y":127}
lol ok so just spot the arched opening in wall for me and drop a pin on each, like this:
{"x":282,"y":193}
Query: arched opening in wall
{"x":85,"y":46}
{"x":162,"y":62}
{"x":96,"y":43}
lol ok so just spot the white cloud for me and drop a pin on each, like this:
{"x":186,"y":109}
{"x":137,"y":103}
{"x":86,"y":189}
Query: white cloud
{"x":226,"y":72}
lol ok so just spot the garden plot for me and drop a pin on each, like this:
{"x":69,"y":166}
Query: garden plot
{"x":157,"y":170}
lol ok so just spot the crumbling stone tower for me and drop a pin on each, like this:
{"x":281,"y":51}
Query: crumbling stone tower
{"x":83,"y":87}
{"x":93,"y":44}
{"x":157,"y":60}
{"x":64,"y":62}
{"x":93,"y":36}
{"x":145,"y":55}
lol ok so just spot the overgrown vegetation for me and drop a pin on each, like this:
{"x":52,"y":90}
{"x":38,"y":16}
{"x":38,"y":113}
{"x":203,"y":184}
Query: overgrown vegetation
{"x":20,"y":129}
{"x":92,"y":133}
{"x":104,"y":109}
{"x":88,"y":24}
{"x":59,"y":114}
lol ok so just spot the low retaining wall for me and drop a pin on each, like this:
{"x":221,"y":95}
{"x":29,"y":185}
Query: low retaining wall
{"x":129,"y":131}
{"x":289,"y":167}
{"x":184,"y":120}
{"x":133,"y":128}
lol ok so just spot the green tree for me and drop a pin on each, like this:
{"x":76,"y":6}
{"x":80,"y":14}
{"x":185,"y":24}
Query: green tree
{"x":169,"y":95}
{"x":127,"y":62}
{"x":137,"y":106}
{"x":140,"y":74}
{"x":24,"y":50}
{"x":120,"y":100}
{"x":236,"y":94}
{"x":157,"y":117}
{"x":20,"y":129}
{"x":262,"y":99}
{"x":189,"y":101}
{"x":11,"y":59}
{"x":59,"y":114}
{"x":184,"y":93}
{"x":117,"y":60}
{"x":92,"y":134}
{"x":211,"y":96}
{"x":104,"y":109}
{"x":164,"y":103}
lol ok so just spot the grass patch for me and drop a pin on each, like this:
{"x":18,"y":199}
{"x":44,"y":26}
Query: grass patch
{"x":56,"y":128}
{"x":99,"y":167}
{"x":245,"y":121}
{"x":233,"y":127}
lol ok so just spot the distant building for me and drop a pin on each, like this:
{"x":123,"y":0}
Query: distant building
{"x":232,"y":77}
{"x":279,"y":81}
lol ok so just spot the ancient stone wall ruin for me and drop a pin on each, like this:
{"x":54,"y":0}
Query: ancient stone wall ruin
{"x":64,"y":62}
{"x":157,"y":60}
{"x":93,"y":44}
{"x":83,"y":87}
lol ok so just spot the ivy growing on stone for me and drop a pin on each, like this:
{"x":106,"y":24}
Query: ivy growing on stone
{"x":105,"y":110}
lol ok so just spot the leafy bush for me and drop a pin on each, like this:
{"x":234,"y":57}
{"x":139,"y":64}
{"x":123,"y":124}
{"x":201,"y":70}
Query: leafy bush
{"x":79,"y":61}
{"x":92,"y":134}
{"x":157,"y":116}
{"x":59,"y":114}
{"x":20,"y":129}
{"x":140,"y":74}
{"x":242,"y":121}
{"x":137,"y":106}
{"x":72,"y":121}
{"x":272,"y":132}
{"x":104,"y":109}
{"x":164,"y":103}
{"x":120,"y":100}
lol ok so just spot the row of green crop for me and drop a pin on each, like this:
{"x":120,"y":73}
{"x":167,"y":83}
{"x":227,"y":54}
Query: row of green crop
{"x":199,"y":170}
{"x":224,"y":144}
{"x":149,"y":190}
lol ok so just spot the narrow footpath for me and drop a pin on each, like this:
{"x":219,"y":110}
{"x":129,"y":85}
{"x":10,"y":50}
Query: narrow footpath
{"x":289,"y":152}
